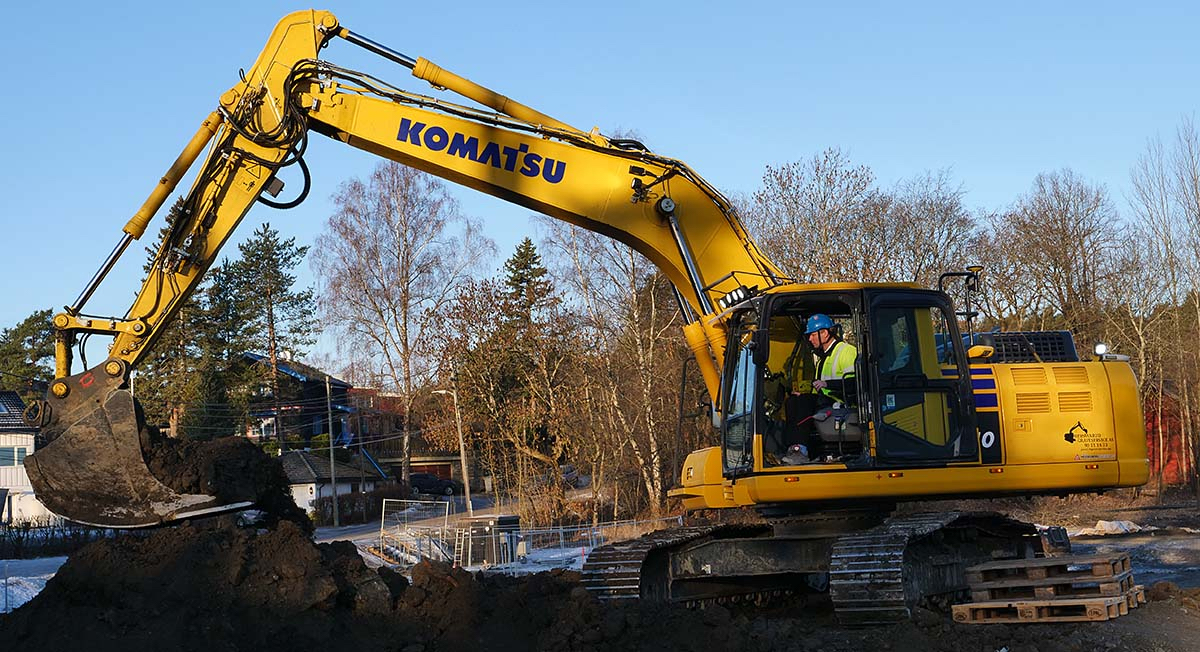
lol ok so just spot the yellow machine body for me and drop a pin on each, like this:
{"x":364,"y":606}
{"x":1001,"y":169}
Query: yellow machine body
{"x":655,"y":204}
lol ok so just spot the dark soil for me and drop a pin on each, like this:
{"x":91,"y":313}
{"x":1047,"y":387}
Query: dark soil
{"x":231,"y":468}
{"x":209,"y":585}
{"x":214,"y":586}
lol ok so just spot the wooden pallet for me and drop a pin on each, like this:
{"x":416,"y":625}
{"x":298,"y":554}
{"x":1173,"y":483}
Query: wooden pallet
{"x":1061,"y":569}
{"x":1059,"y":610}
{"x":1048,"y":588}
{"x":1136,"y":596}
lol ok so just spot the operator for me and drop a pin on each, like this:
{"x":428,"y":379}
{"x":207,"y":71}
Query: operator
{"x":832,"y":359}
{"x":835,"y":357}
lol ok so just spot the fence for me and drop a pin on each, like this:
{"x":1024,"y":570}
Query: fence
{"x":46,"y":536}
{"x":412,"y":531}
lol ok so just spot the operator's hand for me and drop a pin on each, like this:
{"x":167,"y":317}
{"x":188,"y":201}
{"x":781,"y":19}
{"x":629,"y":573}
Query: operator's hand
{"x":819,"y":384}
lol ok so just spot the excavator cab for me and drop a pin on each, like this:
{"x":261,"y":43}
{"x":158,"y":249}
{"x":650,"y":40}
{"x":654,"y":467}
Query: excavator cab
{"x":907,"y":400}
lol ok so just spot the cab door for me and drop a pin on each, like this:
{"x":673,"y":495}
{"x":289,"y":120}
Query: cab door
{"x":923,"y":410}
{"x":739,"y":397}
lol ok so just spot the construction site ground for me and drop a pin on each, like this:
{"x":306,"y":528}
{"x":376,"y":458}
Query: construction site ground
{"x":212,"y":585}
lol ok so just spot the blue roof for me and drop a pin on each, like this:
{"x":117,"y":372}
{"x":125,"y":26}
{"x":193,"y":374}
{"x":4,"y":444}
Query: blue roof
{"x":300,"y":371}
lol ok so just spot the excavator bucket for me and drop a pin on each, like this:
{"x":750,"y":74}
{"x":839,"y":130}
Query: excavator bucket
{"x":92,"y":469}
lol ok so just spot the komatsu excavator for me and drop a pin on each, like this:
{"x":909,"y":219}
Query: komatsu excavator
{"x":925,"y":415}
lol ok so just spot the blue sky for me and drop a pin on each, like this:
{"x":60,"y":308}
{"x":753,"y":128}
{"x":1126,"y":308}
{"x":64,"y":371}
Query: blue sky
{"x":100,"y":97}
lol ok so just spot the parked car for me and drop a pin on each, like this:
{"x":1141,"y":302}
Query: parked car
{"x":568,"y":476}
{"x":428,"y":483}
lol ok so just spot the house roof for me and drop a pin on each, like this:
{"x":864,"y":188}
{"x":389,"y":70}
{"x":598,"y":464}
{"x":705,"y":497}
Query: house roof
{"x":303,"y":467}
{"x":298,"y":370}
{"x":11,"y":408}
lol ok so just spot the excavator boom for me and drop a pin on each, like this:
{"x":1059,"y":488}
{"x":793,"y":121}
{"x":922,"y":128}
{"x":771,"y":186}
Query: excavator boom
{"x":90,"y":466}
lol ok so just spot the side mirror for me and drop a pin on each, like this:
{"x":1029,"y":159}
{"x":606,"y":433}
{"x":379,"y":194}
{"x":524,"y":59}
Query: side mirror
{"x":761,"y":345}
{"x":717,"y":418}
{"x":980,"y":351}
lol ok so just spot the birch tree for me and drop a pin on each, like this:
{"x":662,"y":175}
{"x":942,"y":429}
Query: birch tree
{"x":633,"y":324}
{"x":388,"y":262}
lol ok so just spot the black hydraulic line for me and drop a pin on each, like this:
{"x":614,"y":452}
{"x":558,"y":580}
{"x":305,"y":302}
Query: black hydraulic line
{"x":303,"y":192}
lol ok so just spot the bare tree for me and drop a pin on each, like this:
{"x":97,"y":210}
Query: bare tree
{"x":1066,"y":231}
{"x":807,"y":212}
{"x":389,"y":261}
{"x":1012,"y":297}
{"x":1166,"y":204}
{"x":633,"y":325}
{"x":928,"y":230}
{"x":822,"y":219}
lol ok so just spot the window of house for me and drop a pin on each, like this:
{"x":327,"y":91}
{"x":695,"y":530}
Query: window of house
{"x":12,"y":456}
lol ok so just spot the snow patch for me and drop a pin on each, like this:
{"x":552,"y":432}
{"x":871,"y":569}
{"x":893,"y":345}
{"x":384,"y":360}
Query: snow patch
{"x":1109,"y":528}
{"x":22,"y":579}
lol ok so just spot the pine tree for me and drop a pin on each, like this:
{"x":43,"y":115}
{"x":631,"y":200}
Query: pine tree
{"x":515,"y":354}
{"x":164,"y":383}
{"x":528,"y":290}
{"x":27,"y":355}
{"x":222,"y":385}
{"x":281,"y":318}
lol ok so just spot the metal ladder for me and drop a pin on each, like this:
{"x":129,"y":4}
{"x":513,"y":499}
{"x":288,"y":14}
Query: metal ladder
{"x":462,"y":541}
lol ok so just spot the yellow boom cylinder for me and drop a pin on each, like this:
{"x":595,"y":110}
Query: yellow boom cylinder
{"x":166,"y":185}
{"x":698,"y":341}
{"x":442,"y":78}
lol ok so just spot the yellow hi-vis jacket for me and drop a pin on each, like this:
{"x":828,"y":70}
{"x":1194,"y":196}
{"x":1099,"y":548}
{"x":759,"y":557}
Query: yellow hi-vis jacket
{"x":837,"y":364}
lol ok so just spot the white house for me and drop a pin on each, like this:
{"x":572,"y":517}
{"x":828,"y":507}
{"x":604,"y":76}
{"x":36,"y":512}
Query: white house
{"x":309,"y":474}
{"x":17,"y":502}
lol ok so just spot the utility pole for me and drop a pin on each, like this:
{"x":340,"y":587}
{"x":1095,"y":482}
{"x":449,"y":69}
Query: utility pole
{"x":362,"y":480}
{"x":332,"y":472}
{"x":462,"y":449}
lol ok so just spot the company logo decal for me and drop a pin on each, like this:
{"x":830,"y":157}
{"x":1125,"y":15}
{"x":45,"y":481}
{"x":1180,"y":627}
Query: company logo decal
{"x":502,"y":157}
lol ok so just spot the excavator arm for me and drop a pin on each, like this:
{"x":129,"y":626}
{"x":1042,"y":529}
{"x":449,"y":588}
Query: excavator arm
{"x":91,"y":466}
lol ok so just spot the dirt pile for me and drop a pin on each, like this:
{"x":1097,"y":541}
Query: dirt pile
{"x":211,"y":585}
{"x":231,"y":468}
{"x":1189,"y":599}
{"x":205,"y":586}
{"x":218,"y":587}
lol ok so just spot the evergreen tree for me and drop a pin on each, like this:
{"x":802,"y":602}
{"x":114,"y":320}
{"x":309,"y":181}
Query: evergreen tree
{"x":27,"y":355}
{"x":279,"y":319}
{"x":516,"y":357}
{"x":164,"y":383}
{"x":527,"y":289}
{"x":222,"y":385}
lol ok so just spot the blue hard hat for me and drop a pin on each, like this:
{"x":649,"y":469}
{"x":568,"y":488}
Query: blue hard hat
{"x":817,"y":322}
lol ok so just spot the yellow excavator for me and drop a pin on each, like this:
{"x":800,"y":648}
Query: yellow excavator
{"x":924,"y":413}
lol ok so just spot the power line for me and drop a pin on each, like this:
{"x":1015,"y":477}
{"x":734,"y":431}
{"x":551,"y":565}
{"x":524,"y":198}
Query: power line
{"x":27,"y":379}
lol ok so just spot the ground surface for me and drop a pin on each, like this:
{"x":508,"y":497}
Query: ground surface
{"x":211,"y":585}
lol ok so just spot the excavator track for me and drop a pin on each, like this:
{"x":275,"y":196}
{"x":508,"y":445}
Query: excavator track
{"x":878,"y":576}
{"x":615,"y":571}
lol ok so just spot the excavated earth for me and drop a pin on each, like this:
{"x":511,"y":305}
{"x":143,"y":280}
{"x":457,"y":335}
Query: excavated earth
{"x":212,"y":585}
